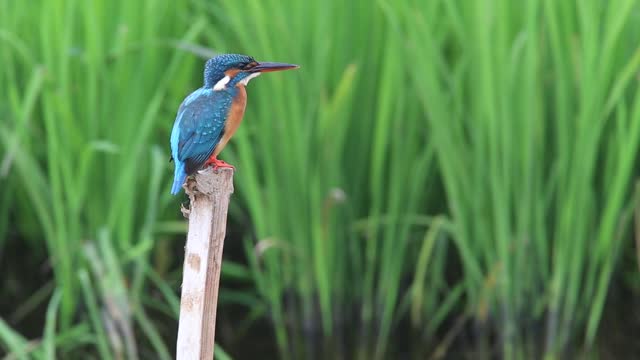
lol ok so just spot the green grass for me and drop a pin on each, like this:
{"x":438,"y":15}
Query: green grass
{"x":535,"y":119}
{"x":334,"y":164}
{"x":88,"y":86}
{"x":416,"y":137}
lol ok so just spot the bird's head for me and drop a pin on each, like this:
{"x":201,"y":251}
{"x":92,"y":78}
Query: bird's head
{"x":229,"y":70}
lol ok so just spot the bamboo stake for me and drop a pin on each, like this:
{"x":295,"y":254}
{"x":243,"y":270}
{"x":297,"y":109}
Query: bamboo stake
{"x":209,"y":194}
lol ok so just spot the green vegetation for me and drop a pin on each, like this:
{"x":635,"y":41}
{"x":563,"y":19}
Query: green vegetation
{"x":433,"y":165}
{"x":547,"y":121}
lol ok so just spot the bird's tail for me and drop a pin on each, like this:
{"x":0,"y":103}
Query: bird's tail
{"x":178,"y":178}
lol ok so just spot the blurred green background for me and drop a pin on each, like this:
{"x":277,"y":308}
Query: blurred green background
{"x":440,"y":179}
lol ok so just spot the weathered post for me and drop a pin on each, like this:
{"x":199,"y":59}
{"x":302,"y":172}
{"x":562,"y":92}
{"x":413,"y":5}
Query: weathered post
{"x":209,"y":193}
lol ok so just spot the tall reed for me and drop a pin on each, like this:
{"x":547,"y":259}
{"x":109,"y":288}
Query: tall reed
{"x":534,"y":113}
{"x":87,"y":89}
{"x":335,"y":169}
{"x":416,"y":135}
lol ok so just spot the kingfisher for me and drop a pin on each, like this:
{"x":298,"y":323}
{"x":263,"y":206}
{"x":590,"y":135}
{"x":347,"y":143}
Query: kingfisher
{"x":210,"y":115}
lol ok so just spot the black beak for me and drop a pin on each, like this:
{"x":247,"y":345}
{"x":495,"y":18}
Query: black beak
{"x":272,"y":66}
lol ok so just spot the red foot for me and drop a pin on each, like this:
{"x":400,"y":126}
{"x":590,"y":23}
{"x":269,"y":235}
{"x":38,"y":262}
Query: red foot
{"x":217,"y":164}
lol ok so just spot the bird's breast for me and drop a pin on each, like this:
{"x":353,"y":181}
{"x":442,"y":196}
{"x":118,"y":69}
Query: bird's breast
{"x":234,"y":118}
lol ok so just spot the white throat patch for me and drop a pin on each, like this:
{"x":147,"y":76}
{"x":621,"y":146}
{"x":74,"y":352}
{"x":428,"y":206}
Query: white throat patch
{"x":222,"y":83}
{"x":246,"y":80}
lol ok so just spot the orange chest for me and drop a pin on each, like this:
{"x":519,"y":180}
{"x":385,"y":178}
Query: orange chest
{"x":236,"y":113}
{"x":234,"y":118}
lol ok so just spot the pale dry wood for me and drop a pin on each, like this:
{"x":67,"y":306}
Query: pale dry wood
{"x":209,"y":193}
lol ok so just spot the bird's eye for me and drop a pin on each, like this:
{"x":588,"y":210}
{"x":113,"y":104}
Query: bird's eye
{"x":248,"y":66}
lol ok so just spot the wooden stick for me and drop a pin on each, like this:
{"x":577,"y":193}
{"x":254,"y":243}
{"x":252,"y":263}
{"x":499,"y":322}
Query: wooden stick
{"x":209,"y":193}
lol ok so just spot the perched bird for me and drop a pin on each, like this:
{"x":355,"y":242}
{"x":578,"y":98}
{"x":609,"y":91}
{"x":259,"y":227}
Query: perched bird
{"x":209,"y":116}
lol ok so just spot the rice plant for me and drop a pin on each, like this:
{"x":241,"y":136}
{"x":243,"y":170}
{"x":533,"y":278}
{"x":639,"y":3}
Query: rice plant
{"x":417,"y":135}
{"x":534,"y":112}
{"x":87,"y":88}
{"x":334,"y":169}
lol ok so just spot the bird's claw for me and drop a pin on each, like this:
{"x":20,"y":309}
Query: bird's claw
{"x":219,"y":164}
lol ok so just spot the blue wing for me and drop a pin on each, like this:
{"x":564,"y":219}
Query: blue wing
{"x":197,"y":130}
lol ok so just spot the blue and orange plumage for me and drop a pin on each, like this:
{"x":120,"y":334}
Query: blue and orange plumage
{"x":209,"y":116}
